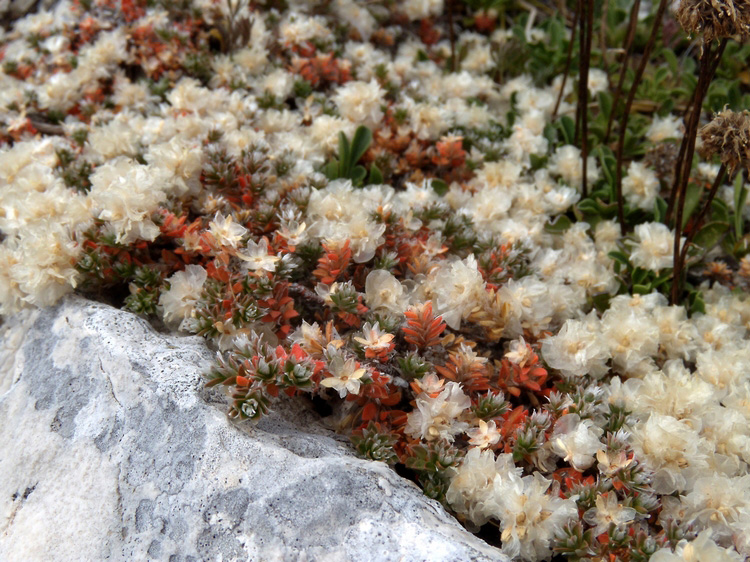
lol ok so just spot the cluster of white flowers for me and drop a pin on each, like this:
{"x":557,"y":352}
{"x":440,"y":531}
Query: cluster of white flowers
{"x":484,"y":487}
{"x":682,"y":379}
{"x":684,"y":384}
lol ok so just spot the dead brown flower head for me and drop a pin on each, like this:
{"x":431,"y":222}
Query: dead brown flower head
{"x":728,"y":136}
{"x":715,"y":19}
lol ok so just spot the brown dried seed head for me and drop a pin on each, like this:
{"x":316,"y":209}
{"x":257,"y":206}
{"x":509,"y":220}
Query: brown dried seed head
{"x":715,"y":19}
{"x":728,"y":136}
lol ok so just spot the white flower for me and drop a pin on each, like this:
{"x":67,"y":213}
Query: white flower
{"x":456,"y":287}
{"x":654,"y":246}
{"x":360,"y":102}
{"x":483,"y":436}
{"x":499,"y":174}
{"x":225,"y":231}
{"x":183,"y":161}
{"x":708,"y":171}
{"x":383,"y":290}
{"x":631,"y":336}
{"x":125,"y":194}
{"x":280,"y":83}
{"x":598,"y":81}
{"x":663,"y":128}
{"x":702,"y":549}
{"x":609,"y":464}
{"x":559,"y":199}
{"x":566,"y":163}
{"x":606,"y":236}
{"x":298,"y":28}
{"x":577,"y":349}
{"x":346,"y":374}
{"x":671,"y":448}
{"x":185,"y":288}
{"x":40,"y":265}
{"x":471,"y":485}
{"x":437,"y":418}
{"x":719,"y":503}
{"x":608,"y":511}
{"x":257,"y":257}
{"x":576,"y":441}
{"x":325,"y":130}
{"x":421,"y":9}
{"x":427,"y":121}
{"x":518,"y":352}
{"x":373,"y":338}
{"x":529,"y":517}
{"x":640,"y":186}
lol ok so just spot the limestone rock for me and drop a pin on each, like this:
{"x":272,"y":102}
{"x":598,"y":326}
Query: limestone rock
{"x":110,"y":448}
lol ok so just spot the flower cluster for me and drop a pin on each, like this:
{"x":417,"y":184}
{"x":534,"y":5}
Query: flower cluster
{"x":441,"y":280}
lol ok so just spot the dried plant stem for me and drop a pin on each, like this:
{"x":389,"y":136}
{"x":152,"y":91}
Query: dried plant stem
{"x":626,"y":113}
{"x":704,"y":211}
{"x":452,"y":35}
{"x":586,"y":28}
{"x":603,"y":36}
{"x":632,"y":23}
{"x":567,"y":63}
{"x":581,"y":49}
{"x":692,"y":119}
{"x":708,"y":65}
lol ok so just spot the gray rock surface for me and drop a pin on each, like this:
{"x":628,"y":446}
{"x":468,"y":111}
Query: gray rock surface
{"x":111,"y":449}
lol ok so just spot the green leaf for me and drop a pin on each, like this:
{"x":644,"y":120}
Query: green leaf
{"x":671,"y":59}
{"x":639,"y":275}
{"x":605,"y":103}
{"x":344,"y":153}
{"x":589,"y":206}
{"x":720,"y":211}
{"x":742,"y":246}
{"x":560,"y":224}
{"x":358,"y":175}
{"x":660,"y":75}
{"x":620,"y":257}
{"x":537,"y":161}
{"x":376,"y":176}
{"x":601,"y":301}
{"x":697,"y":304}
{"x":692,"y":198}
{"x":568,"y":128}
{"x":641,"y":289}
{"x":360,"y":143}
{"x":440,"y":187}
{"x":660,"y":209}
{"x":609,"y":167}
{"x":550,"y":134}
{"x":331,"y":170}
{"x":710,"y":234}
{"x":740,"y":196}
{"x":556,"y":32}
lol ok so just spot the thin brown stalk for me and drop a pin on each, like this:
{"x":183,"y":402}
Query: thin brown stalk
{"x":701,"y":217}
{"x":626,"y":114}
{"x":692,"y":119}
{"x":625,"y":63}
{"x":452,"y":35}
{"x":586,"y":59}
{"x":679,"y":190}
{"x":568,"y":60}
{"x":603,"y":36}
{"x":581,"y":48}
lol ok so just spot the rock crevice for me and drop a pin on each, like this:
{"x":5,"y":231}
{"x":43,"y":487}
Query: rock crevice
{"x":104,"y":422}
